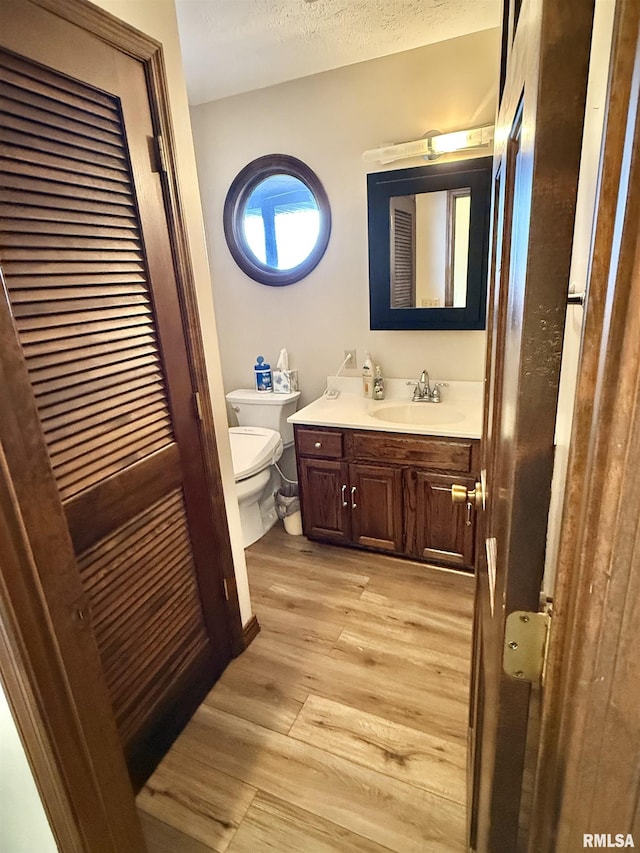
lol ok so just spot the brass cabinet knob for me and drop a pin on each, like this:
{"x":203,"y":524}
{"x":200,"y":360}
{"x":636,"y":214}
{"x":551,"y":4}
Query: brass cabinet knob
{"x":318,"y":445}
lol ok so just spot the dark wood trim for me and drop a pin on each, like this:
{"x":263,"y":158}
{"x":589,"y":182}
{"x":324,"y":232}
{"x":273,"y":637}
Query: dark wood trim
{"x":18,"y":648}
{"x":128,"y":39}
{"x":66,"y":721}
{"x":538,"y":139}
{"x":250,"y":631}
{"x":104,"y":25}
{"x":71,"y":732}
{"x":159,"y":98}
{"x":588,"y":766}
{"x":149,"y":51}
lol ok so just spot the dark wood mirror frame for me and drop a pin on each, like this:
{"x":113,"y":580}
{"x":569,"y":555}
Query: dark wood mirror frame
{"x":243,"y":185}
{"x":381,"y":187}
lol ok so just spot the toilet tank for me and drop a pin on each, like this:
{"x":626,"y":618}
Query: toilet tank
{"x":265,"y":409}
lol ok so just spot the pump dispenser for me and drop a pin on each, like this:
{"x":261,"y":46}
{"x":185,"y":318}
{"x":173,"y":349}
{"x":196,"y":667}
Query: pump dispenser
{"x":367,"y":376}
{"x":378,"y":384}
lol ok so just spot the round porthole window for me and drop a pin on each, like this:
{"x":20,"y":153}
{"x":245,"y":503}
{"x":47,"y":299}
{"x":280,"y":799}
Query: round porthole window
{"x":277,"y":219}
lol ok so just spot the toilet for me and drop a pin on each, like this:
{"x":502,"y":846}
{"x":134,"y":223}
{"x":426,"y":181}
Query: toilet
{"x":256,"y":443}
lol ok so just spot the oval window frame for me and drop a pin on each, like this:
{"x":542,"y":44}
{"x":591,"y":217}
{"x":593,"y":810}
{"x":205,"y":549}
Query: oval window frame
{"x":241,"y":188}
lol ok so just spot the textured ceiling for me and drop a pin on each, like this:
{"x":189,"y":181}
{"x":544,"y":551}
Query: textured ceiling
{"x":233,"y":46}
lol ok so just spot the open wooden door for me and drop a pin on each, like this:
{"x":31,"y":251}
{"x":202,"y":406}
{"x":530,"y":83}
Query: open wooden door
{"x":536,"y":161}
{"x":100,"y":425}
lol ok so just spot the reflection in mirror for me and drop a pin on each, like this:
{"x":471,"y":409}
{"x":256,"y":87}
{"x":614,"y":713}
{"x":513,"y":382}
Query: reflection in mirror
{"x":281,"y":222}
{"x":277,"y":219}
{"x":429,"y":247}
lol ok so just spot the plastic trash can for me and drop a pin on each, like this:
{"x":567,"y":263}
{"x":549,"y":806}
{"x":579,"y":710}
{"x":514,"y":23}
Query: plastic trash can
{"x":288,"y":508}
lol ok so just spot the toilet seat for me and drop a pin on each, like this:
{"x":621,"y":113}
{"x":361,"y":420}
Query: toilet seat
{"x":253,"y":449}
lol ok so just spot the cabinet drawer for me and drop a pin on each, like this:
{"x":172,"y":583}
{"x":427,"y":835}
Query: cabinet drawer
{"x":317,"y":442}
{"x":446,"y":454}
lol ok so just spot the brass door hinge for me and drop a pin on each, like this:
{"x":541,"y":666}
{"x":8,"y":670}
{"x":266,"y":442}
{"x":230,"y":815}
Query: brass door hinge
{"x":159,"y":156}
{"x":226,"y":588}
{"x":198,"y":404}
{"x":525,"y":645}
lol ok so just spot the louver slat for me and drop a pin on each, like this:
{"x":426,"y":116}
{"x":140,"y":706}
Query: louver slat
{"x":78,"y":145}
{"x":403,"y":273}
{"x":17,"y":100}
{"x":141,"y":584}
{"x":59,"y":86}
{"x":76,"y":274}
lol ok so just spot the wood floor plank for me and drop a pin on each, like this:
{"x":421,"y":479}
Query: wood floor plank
{"x":324,"y":607}
{"x":298,"y":630}
{"x":273,"y":826}
{"x":301,"y":550}
{"x":162,"y":838}
{"x":427,"y":583}
{"x":384,"y":693}
{"x":324,"y":735}
{"x":448,"y":675}
{"x":260,"y":699}
{"x":347,"y":587}
{"x":307,"y":566}
{"x":197,"y":800}
{"x":441,"y":631}
{"x":399,"y":816}
{"x":406,"y":754}
{"x":380,"y":568}
{"x":365,"y":636}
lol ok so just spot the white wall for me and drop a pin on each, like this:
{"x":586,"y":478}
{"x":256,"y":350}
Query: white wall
{"x":23,"y":823}
{"x":328,"y":120}
{"x":431,"y":247}
{"x":157,"y":18}
{"x":579,"y":273}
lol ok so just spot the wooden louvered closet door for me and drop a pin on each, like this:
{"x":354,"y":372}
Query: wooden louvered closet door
{"x":89,"y":276}
{"x":403,"y":251}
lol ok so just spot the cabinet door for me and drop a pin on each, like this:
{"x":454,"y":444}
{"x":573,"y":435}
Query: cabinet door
{"x":375,"y":498}
{"x":444,"y":531}
{"x":325,"y":499}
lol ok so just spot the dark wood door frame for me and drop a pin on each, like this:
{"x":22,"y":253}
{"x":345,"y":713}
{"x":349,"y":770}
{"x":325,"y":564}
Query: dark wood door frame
{"x":588,"y":767}
{"x":536,"y":167}
{"x":66,"y":723}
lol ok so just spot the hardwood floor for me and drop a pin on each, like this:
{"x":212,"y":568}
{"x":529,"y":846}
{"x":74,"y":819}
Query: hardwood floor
{"x":343,"y":726}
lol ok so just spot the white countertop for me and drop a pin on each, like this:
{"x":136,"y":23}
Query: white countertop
{"x":459,"y":415}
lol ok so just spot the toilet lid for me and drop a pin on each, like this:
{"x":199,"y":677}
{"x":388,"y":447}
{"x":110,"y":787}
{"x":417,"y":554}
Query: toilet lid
{"x":252,"y":449}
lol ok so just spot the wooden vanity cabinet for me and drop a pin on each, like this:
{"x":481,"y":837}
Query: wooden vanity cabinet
{"x":344,"y":502}
{"x":388,"y":491}
{"x":437,"y":529}
{"x":376,"y":506}
{"x":326,"y":512}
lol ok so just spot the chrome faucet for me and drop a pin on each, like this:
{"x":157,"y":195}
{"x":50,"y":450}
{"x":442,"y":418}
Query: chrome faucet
{"x":424,"y":392}
{"x":424,"y":388}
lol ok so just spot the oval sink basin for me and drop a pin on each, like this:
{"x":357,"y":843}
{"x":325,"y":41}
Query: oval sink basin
{"x":418,"y":414}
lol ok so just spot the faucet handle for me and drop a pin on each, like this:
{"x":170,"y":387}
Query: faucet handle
{"x":435,"y":394}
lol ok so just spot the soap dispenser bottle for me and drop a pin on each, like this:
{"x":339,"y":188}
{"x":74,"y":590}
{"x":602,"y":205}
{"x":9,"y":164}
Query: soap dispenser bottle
{"x":367,"y":376}
{"x":378,"y":384}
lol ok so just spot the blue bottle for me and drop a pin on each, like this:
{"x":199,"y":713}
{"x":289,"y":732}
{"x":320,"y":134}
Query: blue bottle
{"x":263,"y":375}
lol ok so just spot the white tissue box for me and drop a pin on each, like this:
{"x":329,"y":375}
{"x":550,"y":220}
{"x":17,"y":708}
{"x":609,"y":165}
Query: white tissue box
{"x":285,"y":381}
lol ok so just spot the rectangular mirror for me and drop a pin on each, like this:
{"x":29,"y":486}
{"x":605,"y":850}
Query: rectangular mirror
{"x":428,"y":246}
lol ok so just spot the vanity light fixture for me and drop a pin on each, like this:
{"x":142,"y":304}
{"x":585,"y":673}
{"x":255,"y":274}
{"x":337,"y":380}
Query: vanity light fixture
{"x":432,"y":145}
